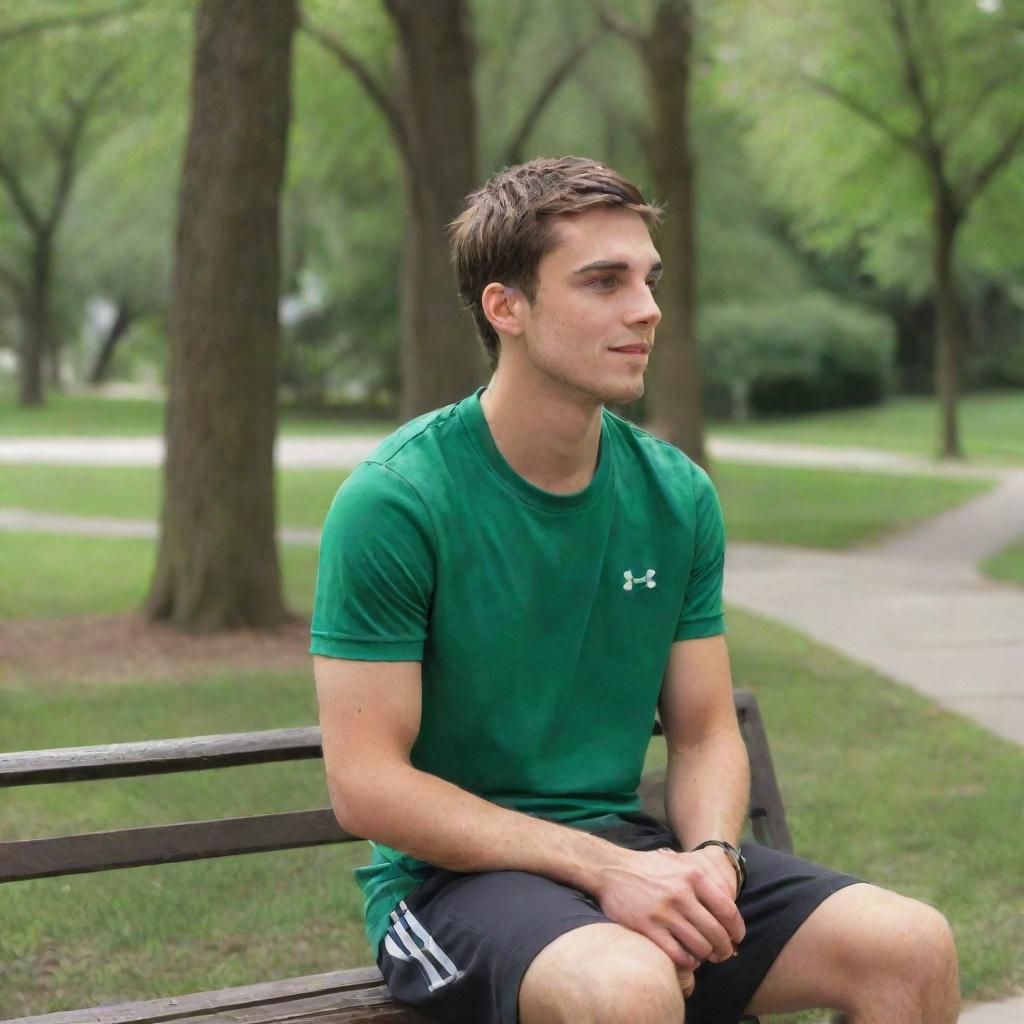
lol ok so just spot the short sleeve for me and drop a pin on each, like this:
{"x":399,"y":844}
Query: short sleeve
{"x":702,"y":613}
{"x":376,"y":570}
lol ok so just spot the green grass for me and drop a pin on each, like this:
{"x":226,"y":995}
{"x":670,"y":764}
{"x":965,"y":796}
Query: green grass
{"x":52,"y":576}
{"x":829,"y":508}
{"x":780,"y":505}
{"x":876,"y":780}
{"x":1007,"y":564}
{"x":992,"y":427}
{"x":133,"y":492}
{"x":85,"y":416}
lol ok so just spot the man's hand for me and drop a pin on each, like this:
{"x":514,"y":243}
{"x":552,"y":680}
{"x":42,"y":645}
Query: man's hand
{"x":683,"y":902}
{"x":719,"y":866}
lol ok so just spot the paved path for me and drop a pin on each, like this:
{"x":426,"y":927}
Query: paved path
{"x":345,"y":452}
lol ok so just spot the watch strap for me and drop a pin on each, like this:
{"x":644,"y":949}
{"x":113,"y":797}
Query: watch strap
{"x":739,"y":863}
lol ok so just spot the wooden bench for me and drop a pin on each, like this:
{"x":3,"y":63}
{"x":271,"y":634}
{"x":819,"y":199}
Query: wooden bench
{"x":345,"y":997}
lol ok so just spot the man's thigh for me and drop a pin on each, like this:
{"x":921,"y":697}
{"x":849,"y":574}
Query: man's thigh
{"x":459,"y":946}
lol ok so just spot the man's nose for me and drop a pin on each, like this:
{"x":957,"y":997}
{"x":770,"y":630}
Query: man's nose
{"x":645,"y":311}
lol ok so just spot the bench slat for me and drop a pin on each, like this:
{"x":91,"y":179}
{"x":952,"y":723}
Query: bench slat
{"x":158,"y":757}
{"x":358,"y":993}
{"x":166,"y":844}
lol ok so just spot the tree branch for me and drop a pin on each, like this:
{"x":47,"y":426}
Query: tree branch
{"x":20,"y":198}
{"x":558,"y":75}
{"x":1009,"y":148}
{"x":865,"y":112}
{"x":912,"y":77}
{"x":67,"y":20}
{"x":993,"y":85}
{"x":17,"y":287}
{"x":364,"y":76}
{"x":72,"y":139}
{"x":620,"y":27}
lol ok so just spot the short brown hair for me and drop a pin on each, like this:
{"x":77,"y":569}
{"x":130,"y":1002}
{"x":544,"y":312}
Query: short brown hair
{"x":508,"y":225}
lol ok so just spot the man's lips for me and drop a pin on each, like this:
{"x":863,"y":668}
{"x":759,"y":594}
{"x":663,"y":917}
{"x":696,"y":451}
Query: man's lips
{"x":639,"y":349}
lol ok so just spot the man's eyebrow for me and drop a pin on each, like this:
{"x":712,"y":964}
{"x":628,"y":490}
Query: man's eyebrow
{"x":656,"y":268}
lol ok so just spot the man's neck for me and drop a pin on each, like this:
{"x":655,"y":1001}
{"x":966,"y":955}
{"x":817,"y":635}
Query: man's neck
{"x":548,"y":435}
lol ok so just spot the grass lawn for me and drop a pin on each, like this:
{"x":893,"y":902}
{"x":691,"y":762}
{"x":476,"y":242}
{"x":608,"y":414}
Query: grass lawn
{"x":992,"y":427}
{"x":133,"y":492}
{"x":49,"y":576}
{"x":83,"y":416}
{"x":1007,"y":564}
{"x":820,"y":508}
{"x":877,"y":782}
{"x":780,"y":505}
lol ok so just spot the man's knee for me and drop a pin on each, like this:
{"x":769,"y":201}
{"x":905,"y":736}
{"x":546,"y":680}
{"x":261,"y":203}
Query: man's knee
{"x":931,"y":964}
{"x":920,"y":963}
{"x":601,"y":974}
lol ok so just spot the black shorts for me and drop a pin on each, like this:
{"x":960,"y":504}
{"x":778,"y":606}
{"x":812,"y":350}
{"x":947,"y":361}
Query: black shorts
{"x":459,"y":945}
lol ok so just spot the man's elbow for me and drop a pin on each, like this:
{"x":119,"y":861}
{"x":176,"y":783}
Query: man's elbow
{"x":361,"y":800}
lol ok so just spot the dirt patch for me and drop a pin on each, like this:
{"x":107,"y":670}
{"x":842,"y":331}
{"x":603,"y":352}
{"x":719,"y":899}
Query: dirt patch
{"x":127,"y":648}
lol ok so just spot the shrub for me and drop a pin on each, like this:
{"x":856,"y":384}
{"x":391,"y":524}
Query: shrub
{"x":796,"y":356}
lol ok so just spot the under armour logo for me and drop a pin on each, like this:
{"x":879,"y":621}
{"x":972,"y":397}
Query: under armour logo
{"x":647,"y":580}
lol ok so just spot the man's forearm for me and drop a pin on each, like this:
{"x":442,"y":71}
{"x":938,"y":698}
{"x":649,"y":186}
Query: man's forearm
{"x":437,"y":822}
{"x":707,"y":789}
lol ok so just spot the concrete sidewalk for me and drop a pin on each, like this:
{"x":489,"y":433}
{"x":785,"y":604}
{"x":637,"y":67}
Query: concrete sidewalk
{"x":346,"y":452}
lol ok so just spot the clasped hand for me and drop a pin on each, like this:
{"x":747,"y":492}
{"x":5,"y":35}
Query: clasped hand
{"x":685,"y":903}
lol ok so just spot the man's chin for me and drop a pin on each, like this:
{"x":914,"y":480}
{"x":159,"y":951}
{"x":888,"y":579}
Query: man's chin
{"x":624,"y":393}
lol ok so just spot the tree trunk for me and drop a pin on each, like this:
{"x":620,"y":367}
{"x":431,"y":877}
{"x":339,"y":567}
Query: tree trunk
{"x":217,"y":566}
{"x":36,"y":327}
{"x":948,"y":326}
{"x":675,"y":400}
{"x":441,"y":358}
{"x":118,"y":329}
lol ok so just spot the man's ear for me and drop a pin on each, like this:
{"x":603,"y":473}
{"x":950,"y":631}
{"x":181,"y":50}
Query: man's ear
{"x":504,"y":307}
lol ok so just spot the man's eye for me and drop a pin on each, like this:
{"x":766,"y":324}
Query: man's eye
{"x":605,"y":284}
{"x":653,"y":285}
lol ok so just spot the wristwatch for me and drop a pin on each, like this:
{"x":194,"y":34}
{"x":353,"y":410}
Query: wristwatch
{"x":739,"y":862}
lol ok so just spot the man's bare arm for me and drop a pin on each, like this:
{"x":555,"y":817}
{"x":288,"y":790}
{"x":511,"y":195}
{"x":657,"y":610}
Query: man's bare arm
{"x":708,"y":778}
{"x":708,"y":781}
{"x":370,"y":717}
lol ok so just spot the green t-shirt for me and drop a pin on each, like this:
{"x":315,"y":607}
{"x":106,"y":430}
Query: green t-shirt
{"x":543,"y":621}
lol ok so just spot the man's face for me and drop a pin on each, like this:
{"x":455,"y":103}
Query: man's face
{"x":591,"y":324}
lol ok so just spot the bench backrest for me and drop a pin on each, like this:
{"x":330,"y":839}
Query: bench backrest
{"x":197,"y":840}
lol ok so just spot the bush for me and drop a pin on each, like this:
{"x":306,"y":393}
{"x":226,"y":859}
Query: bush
{"x":796,"y":356}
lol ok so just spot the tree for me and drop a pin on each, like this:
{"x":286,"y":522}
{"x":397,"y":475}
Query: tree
{"x":217,"y":565}
{"x":665,"y":50}
{"x":59,"y":129}
{"x":69,"y":81}
{"x":888,"y":122}
{"x":431,"y":111}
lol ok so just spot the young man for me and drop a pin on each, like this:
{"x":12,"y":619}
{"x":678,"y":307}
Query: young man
{"x":508,"y":589}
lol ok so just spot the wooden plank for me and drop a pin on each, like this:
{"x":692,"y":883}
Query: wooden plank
{"x":352,"y":995}
{"x":158,"y":757}
{"x":365,"y":1004}
{"x":167,"y":844}
{"x":167,"y":1008}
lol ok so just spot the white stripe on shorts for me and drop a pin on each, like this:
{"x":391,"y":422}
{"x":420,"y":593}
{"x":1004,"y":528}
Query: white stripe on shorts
{"x":429,"y":944}
{"x":434,"y":980}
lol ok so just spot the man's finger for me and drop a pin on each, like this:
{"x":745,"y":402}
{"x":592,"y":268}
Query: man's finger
{"x":724,"y":909}
{"x":667,"y":943}
{"x":701,"y":933}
